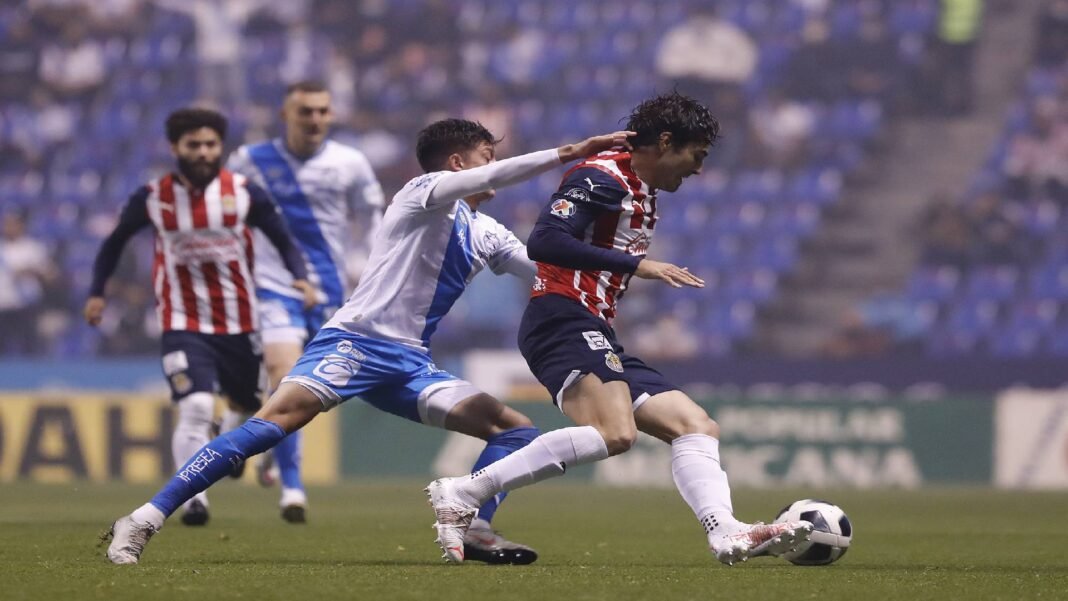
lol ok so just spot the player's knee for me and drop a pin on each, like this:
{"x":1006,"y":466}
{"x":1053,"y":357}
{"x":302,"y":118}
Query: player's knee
{"x":291,"y":406}
{"x":619,"y":440}
{"x":700,"y":424}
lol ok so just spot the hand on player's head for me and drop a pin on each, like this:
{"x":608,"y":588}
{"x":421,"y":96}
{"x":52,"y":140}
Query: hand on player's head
{"x":617,"y":139}
{"x":674,"y":275}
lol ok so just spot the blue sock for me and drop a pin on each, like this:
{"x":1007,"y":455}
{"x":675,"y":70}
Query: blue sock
{"x":212,"y":462}
{"x":287,"y":455}
{"x":499,"y":447}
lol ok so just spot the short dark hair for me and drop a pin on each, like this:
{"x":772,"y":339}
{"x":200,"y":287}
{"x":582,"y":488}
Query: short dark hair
{"x":442,"y":138}
{"x":183,"y":121}
{"x":685,"y":118}
{"x":307,"y":85}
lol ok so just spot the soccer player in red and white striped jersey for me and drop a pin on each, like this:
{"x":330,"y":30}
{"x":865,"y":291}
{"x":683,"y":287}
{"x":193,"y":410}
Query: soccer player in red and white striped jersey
{"x":202,"y":216}
{"x":588,"y":242}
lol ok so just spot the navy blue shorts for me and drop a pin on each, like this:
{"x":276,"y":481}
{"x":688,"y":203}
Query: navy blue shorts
{"x":228,"y":363}
{"x":562,"y":342}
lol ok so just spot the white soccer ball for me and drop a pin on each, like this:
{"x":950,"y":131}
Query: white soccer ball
{"x":831,"y":533}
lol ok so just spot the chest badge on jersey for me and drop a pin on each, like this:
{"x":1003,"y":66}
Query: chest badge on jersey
{"x":229,"y":203}
{"x":563,"y":208}
{"x":612,"y":361}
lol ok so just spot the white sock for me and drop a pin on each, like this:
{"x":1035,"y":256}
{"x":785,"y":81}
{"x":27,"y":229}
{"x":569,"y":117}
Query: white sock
{"x":546,"y":456}
{"x":148,"y":514}
{"x":701,"y":481}
{"x":232,"y":419}
{"x":194,"y":426}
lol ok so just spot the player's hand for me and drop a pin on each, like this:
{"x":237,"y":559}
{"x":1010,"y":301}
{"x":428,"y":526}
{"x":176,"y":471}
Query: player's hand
{"x":94,"y":310}
{"x":672,"y":274}
{"x":570,"y":152}
{"x":311,"y":295}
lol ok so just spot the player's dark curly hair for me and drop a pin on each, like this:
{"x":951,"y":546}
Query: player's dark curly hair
{"x":442,"y":138}
{"x":687,"y":119}
{"x":183,"y":121}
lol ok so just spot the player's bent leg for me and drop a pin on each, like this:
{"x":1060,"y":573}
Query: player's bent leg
{"x":279,"y":358}
{"x":289,"y":409}
{"x":192,"y":432}
{"x":505,"y":431}
{"x":695,"y":466}
{"x":603,"y":412}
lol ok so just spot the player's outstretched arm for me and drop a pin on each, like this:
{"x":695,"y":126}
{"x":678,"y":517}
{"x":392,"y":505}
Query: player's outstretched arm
{"x":134,"y":217}
{"x":672,"y":274}
{"x":264,"y":214}
{"x":506,"y":172}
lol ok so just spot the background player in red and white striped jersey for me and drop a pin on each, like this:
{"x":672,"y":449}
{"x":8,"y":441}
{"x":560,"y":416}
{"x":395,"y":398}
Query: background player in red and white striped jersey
{"x":590,"y":239}
{"x":203,"y":278}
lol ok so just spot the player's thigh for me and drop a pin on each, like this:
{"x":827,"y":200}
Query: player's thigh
{"x":189,"y":363}
{"x":671,"y":414}
{"x":279,"y":359}
{"x":239,"y":359}
{"x":482,"y":416}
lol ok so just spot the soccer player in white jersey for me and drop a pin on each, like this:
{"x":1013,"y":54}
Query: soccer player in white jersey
{"x":203,"y":218}
{"x":432,"y":241}
{"x":319,"y":185}
{"x":590,"y":239}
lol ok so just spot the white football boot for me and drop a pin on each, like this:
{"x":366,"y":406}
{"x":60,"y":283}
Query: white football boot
{"x":128,"y":540}
{"x":454,"y":516}
{"x":294,"y":505}
{"x":737,"y":544}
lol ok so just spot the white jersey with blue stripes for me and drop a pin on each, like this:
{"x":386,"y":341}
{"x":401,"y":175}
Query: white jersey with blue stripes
{"x":424,"y":255}
{"x":317,"y":196}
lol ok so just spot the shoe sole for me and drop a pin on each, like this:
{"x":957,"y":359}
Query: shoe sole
{"x":500,"y":557}
{"x":294,"y":514}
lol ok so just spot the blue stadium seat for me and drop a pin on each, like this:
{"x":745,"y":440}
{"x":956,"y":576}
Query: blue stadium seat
{"x":937,"y":283}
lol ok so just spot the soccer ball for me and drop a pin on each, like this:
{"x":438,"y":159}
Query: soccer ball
{"x":831,"y":532}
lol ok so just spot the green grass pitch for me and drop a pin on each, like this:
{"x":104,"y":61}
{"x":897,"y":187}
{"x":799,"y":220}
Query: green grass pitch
{"x":374,"y":541}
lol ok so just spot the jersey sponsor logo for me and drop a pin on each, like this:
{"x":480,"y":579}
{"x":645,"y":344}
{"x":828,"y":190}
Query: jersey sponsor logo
{"x":596,"y":341}
{"x":577,"y":194}
{"x":612,"y":361}
{"x":639,"y":245}
{"x":337,"y":370}
{"x":563,"y":208}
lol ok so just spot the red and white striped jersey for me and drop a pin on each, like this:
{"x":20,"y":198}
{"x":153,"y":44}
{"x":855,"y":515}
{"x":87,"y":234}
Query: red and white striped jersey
{"x":204,"y":259}
{"x":203,"y":266}
{"x":603,"y":203}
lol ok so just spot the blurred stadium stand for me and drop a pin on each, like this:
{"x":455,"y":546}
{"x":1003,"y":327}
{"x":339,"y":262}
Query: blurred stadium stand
{"x":87,"y":85}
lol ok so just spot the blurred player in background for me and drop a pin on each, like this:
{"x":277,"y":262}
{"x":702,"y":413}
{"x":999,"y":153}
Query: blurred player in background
{"x":589,"y":241}
{"x":432,"y":241}
{"x":319,"y":185}
{"x":203,"y":278}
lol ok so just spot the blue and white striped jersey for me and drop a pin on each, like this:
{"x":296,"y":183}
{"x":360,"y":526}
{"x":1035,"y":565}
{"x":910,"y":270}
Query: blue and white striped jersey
{"x":318,"y":197}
